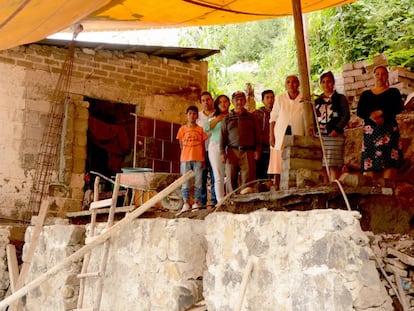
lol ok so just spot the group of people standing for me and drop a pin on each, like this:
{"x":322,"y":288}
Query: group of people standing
{"x":243,"y":146}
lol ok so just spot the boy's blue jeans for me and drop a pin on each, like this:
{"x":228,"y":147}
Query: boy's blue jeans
{"x":197,"y":168}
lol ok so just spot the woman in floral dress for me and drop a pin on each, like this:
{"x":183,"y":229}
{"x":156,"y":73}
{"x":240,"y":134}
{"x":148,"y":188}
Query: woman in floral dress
{"x":378,"y":107}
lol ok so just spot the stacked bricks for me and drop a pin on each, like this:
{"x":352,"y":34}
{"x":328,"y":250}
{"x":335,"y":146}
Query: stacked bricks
{"x":359,"y":77}
{"x":355,"y":81}
{"x":301,"y":161}
{"x":119,"y":69}
{"x":402,"y":79}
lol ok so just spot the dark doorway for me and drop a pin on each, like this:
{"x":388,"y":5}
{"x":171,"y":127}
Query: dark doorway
{"x":110,"y":138}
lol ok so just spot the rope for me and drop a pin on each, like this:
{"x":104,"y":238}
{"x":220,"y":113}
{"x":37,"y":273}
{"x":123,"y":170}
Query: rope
{"x":326,"y":160}
{"x":343,"y":194}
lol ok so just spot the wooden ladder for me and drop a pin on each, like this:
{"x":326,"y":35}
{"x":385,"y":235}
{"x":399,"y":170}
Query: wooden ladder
{"x":95,"y":205}
{"x":128,"y":180}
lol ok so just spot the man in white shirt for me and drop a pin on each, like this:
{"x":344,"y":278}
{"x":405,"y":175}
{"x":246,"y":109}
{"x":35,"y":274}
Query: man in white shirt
{"x":207,"y":112}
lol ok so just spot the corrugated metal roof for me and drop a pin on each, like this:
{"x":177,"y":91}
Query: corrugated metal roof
{"x":178,"y":53}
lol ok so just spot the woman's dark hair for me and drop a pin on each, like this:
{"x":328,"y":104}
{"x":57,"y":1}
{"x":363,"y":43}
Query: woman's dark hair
{"x":380,"y":66}
{"x":216,"y":104}
{"x":327,"y":74}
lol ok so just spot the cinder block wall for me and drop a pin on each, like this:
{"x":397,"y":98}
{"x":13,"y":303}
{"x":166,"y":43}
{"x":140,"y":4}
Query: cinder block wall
{"x":160,"y":88}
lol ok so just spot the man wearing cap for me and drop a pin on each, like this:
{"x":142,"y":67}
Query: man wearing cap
{"x":240,"y":143}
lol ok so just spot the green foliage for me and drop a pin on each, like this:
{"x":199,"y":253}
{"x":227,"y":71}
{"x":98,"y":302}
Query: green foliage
{"x":337,"y":36}
{"x":361,"y":30}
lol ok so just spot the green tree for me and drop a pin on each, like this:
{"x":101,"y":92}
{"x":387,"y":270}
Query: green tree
{"x":337,"y":36}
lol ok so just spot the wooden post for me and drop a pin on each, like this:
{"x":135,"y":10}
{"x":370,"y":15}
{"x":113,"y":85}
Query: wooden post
{"x":243,"y":285}
{"x":302,"y":66}
{"x":44,"y":207}
{"x":99,"y":239}
{"x":12,"y":266}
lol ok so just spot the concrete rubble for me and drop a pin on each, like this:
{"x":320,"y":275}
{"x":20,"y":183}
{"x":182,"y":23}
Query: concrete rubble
{"x":395,"y":253}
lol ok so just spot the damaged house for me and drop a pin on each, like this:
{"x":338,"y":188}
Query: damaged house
{"x":296,"y":249}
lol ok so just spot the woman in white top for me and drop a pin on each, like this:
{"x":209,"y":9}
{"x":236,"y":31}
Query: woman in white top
{"x":213,"y":127}
{"x":286,"y":118}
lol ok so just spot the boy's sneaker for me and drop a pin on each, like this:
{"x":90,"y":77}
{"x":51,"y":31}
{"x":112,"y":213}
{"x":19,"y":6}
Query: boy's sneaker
{"x":196,"y":206}
{"x":185,"y":208}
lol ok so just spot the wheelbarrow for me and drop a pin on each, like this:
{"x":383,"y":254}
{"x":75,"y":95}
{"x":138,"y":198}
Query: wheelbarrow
{"x":146,"y":181}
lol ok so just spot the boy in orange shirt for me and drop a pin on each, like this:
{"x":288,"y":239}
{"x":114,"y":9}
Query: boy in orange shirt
{"x":191,"y":137}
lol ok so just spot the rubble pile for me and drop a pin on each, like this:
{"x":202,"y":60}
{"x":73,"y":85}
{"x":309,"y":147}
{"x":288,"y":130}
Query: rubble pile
{"x":359,"y":77}
{"x":394,"y":254}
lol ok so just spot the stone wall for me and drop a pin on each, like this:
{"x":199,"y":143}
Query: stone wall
{"x":60,"y":292}
{"x":4,"y":274}
{"x":157,"y":264}
{"x":316,"y":260}
{"x":160,"y":88}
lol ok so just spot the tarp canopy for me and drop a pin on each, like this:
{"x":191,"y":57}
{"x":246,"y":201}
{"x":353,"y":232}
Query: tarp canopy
{"x":26,"y":21}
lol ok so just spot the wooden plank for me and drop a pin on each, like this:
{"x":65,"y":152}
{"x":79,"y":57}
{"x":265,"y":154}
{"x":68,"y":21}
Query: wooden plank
{"x":104,"y":259}
{"x":403,"y":297}
{"x":12,"y":265}
{"x":88,"y":275}
{"x":243,"y":286}
{"x":408,"y":260}
{"x":148,"y":181}
{"x":87,"y":257}
{"x":101,"y":203}
{"x":44,"y":207}
{"x":96,"y":241}
{"x":123,"y":209}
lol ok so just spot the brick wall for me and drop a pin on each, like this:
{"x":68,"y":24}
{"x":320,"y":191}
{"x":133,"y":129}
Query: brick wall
{"x":160,"y":88}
